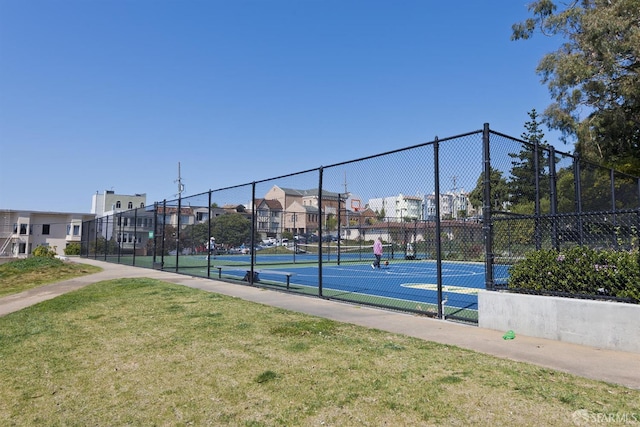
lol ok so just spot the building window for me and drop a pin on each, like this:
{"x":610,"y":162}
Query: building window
{"x":68,"y":229}
{"x":118,"y":205}
{"x":130,"y":205}
{"x":23,"y":229}
{"x":46,"y":228}
{"x":76,"y":230}
{"x":142,"y":204}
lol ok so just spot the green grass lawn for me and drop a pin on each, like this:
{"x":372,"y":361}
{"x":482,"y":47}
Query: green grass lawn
{"x":20,"y":275}
{"x":145,"y":352}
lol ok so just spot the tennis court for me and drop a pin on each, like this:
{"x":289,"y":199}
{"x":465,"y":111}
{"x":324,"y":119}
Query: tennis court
{"x":402,"y":283}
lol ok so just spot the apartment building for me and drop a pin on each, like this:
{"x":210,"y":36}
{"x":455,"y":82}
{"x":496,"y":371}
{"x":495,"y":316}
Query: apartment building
{"x":300,"y":208}
{"x":109,"y":202}
{"x":23,"y":231}
{"x":398,"y":208}
{"x":453,"y":205}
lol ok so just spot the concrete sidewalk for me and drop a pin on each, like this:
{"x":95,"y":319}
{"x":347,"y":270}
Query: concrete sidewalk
{"x":589,"y":362}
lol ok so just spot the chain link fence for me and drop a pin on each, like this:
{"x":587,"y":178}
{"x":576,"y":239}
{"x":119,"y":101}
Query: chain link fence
{"x":452,"y":214}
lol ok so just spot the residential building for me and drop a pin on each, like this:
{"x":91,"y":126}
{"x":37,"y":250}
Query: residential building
{"x":109,"y":202}
{"x":453,"y":205}
{"x":23,"y":231}
{"x":301,"y":208}
{"x":398,"y":208}
{"x":268,"y":217}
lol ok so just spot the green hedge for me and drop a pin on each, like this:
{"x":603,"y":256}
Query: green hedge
{"x":72,"y":249}
{"x":581,"y":271}
{"x":44,"y":251}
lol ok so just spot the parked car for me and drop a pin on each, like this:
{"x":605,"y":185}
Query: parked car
{"x":269,"y":241}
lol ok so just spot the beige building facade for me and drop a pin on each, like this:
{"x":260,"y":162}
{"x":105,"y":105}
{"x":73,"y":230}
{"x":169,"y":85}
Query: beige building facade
{"x":23,"y":231}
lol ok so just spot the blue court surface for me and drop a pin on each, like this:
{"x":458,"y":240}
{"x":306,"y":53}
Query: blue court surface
{"x":407,"y":280}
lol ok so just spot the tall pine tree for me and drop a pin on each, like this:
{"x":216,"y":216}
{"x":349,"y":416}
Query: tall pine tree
{"x":522,"y":185}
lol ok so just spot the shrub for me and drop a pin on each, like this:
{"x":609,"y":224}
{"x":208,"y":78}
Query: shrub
{"x":72,"y":249}
{"x":579,"y":270}
{"x":44,"y":251}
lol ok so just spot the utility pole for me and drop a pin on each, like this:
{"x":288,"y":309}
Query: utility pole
{"x":345,"y":183}
{"x":179,"y":181}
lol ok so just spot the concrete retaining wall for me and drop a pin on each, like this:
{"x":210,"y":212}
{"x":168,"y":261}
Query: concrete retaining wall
{"x":603,"y":324}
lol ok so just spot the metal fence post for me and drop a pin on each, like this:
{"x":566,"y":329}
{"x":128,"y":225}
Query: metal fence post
{"x":252,"y":252}
{"x":155,"y":232}
{"x":121,"y":236}
{"x":436,"y":171}
{"x":613,"y":207}
{"x":577,"y":183}
{"x":209,"y":255}
{"x":95,"y":239}
{"x":320,"y":173}
{"x":487,"y":225}
{"x":536,"y":178}
{"x":135,"y":235}
{"x":339,"y":228}
{"x":178,"y":231}
{"x":553,"y":196}
{"x":104,"y":224}
{"x":164,"y":229}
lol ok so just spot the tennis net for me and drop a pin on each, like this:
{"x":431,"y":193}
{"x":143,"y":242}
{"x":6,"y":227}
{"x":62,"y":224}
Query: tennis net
{"x":345,"y":252}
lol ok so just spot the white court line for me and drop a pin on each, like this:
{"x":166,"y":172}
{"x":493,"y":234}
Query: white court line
{"x":448,"y":288}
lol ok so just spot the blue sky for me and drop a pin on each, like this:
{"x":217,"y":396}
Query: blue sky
{"x":98,"y":95}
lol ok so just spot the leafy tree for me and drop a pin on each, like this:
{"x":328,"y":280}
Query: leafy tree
{"x":565,"y":188}
{"x":593,"y":76}
{"x":199,"y":233}
{"x":170,"y":239}
{"x":232,"y":229}
{"x":331,"y":222}
{"x":499,"y":190}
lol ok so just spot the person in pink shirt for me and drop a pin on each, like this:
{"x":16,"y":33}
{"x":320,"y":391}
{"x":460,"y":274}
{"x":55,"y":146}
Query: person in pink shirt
{"x":377,"y":252}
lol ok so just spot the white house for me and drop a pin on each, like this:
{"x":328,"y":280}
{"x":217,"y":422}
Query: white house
{"x":398,"y":208}
{"x":452,"y":205}
{"x":23,"y":231}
